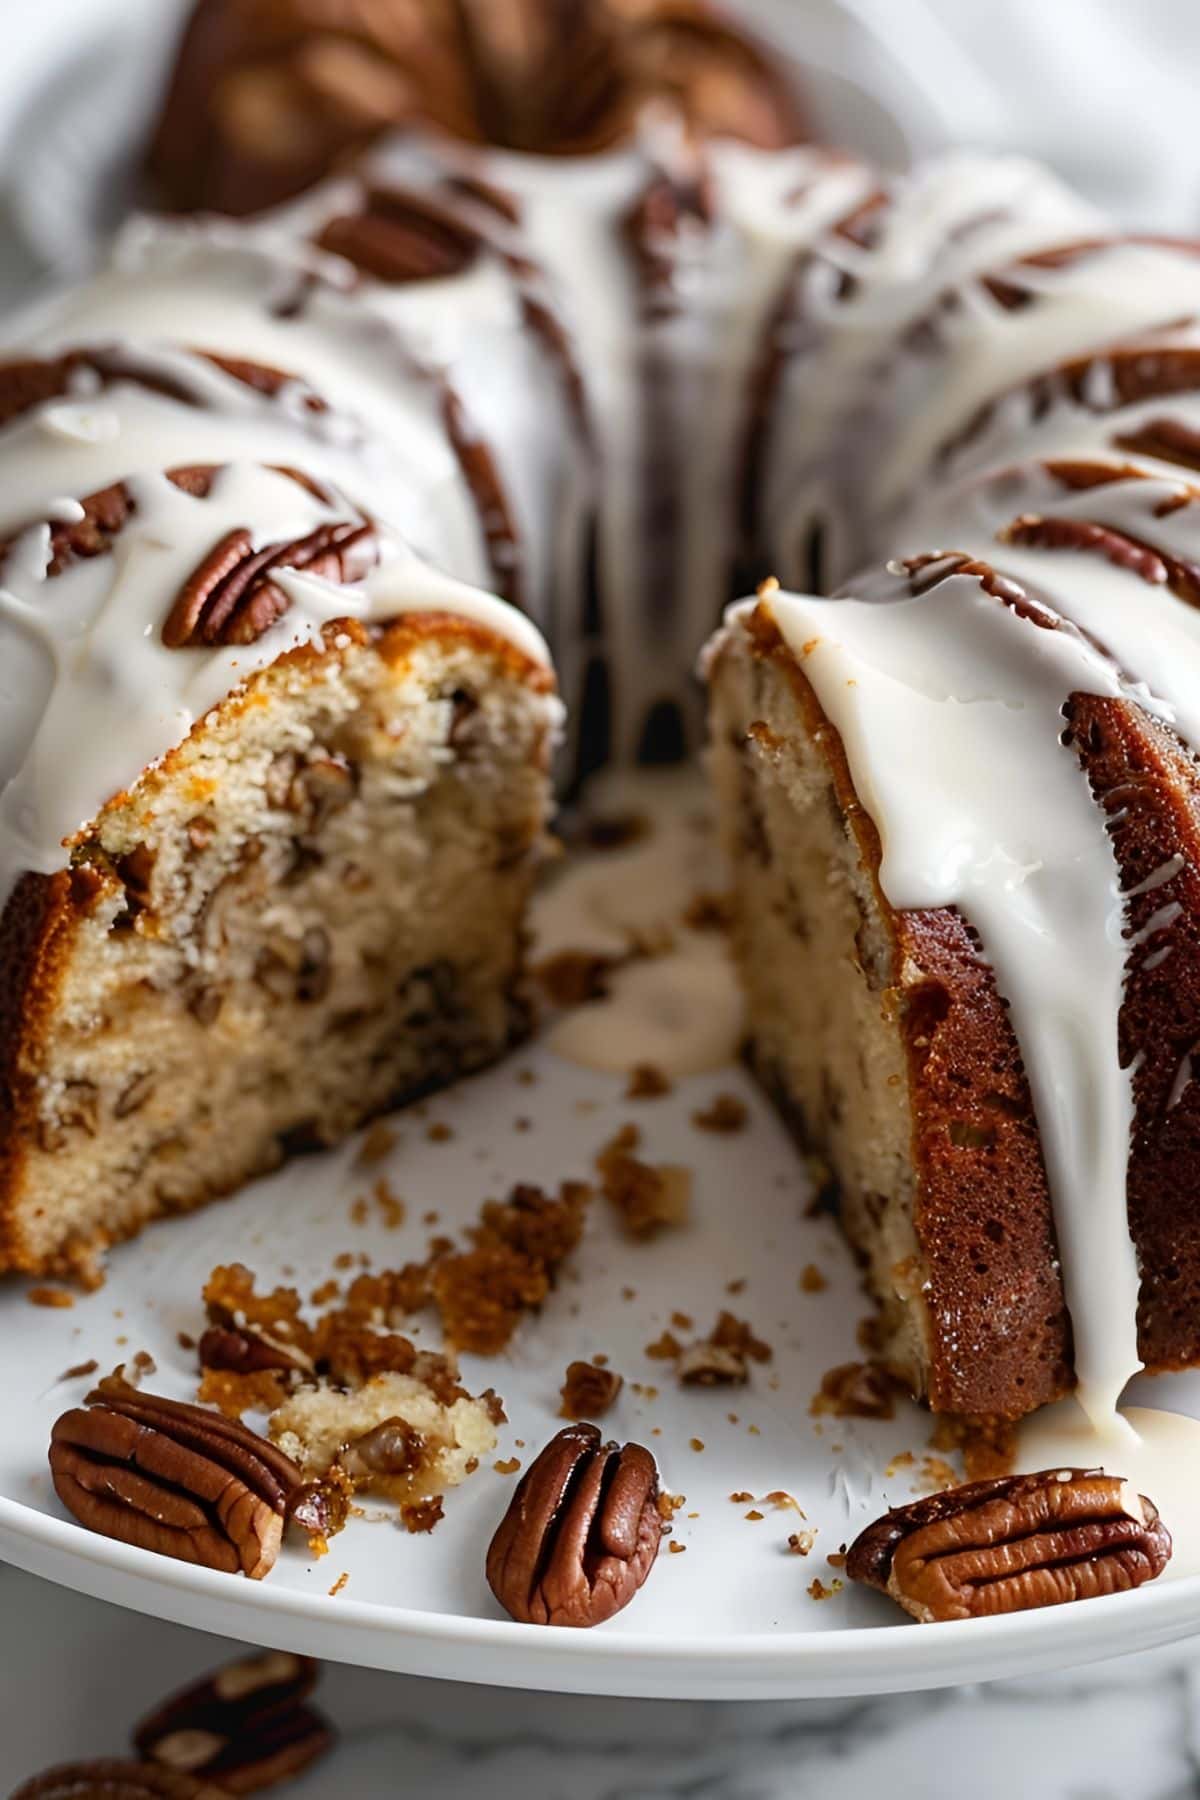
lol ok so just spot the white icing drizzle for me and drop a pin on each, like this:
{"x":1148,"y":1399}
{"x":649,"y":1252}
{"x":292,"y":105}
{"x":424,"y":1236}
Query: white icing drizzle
{"x":90,"y":695}
{"x":949,"y":706}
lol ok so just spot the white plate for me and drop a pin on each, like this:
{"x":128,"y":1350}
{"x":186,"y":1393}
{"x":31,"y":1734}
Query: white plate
{"x":731,"y":1617}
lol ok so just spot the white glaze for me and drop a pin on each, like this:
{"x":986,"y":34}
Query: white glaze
{"x":950,"y":709}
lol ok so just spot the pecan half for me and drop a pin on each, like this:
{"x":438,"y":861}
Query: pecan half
{"x":173,"y":1478}
{"x":110,"y":1780}
{"x":1013,"y":1543}
{"x":246,"y":1726}
{"x":401,"y":236}
{"x":581,"y":1533}
{"x":231,"y":598}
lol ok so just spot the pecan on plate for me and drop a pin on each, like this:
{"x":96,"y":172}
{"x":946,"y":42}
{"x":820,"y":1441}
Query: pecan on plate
{"x":108,"y":1780}
{"x":581,"y":1533}
{"x":1013,"y":1543}
{"x":173,"y":1478}
{"x":245,"y":1727}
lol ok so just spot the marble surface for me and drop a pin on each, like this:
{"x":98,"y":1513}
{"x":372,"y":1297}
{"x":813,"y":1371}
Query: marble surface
{"x":77,"y":1673}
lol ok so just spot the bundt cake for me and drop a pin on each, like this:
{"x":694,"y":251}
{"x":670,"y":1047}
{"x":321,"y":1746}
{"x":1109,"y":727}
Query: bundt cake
{"x":610,"y":343}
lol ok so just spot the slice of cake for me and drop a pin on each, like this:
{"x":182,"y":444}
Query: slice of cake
{"x":311,"y":816}
{"x":963,"y":812}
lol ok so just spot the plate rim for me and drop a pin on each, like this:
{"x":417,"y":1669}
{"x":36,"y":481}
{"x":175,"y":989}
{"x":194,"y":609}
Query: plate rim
{"x":768,"y":1665}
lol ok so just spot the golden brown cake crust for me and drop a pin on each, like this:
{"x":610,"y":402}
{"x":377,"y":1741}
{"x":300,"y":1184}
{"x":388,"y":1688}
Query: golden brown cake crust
{"x":982,"y":1210}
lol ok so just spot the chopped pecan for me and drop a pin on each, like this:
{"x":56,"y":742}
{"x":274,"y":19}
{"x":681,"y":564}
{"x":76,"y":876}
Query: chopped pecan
{"x":109,"y":1780}
{"x":581,"y":1532}
{"x":173,"y":1478}
{"x":245,"y":1727}
{"x":1012,"y":1543}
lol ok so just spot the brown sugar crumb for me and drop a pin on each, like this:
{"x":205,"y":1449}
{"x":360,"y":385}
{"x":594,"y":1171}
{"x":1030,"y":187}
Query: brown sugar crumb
{"x":628,"y":1293}
{"x":741,"y":1499}
{"x":419,"y":1516}
{"x":683,"y":1321}
{"x":522,"y":1124}
{"x":709,"y":912}
{"x":696,"y":1444}
{"x":588,"y":1391}
{"x":234,"y":1394}
{"x":390,"y":1205}
{"x":50,"y":1296}
{"x":378,"y":1144}
{"x":836,"y":1559}
{"x":721,"y":1359}
{"x":647,"y":1082}
{"x":903,"y":1460}
{"x":431,"y":1217}
{"x":527,"y":1077}
{"x":811,"y":1280}
{"x":439,"y":1132}
{"x":736,"y":1287}
{"x":724,"y":1114}
{"x":665,"y":1348}
{"x":339,"y":1584}
{"x":185,"y":1340}
{"x":755,"y":1516}
{"x":345,"y":1259}
{"x":79,"y":1370}
{"x":360,"y":1211}
{"x":669,"y":1504}
{"x":856,"y":1391}
{"x":646,"y":1198}
{"x":507,"y":1466}
{"x":575,"y":977}
{"x":800,"y":1543}
{"x":327,"y":1291}
{"x":676,"y":1548}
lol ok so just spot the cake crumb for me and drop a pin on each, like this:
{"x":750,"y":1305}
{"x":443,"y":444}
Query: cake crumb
{"x":696,"y":1444}
{"x":647,"y":1198}
{"x":50,"y":1296}
{"x":359,"y":1210}
{"x":665,"y":1348}
{"x":904,"y":1459}
{"x":377,"y":1145}
{"x":709,"y":912}
{"x":817,"y":1589}
{"x":855,"y":1391}
{"x":339,"y":1584}
{"x":676,"y":1548}
{"x":987,"y":1450}
{"x":683,"y":1321}
{"x":782,"y":1501}
{"x":420,"y":1516}
{"x":800,"y":1543}
{"x":741,"y":1498}
{"x":507,"y":1465}
{"x":936,"y":1473}
{"x":574,"y":977}
{"x":811,"y":1280}
{"x":836,"y":1559}
{"x":668,"y":1505}
{"x":79,"y":1370}
{"x":391,"y":1207}
{"x":233,"y":1393}
{"x":647,"y":1082}
{"x":725,"y":1114}
{"x":185,"y":1340}
{"x":588,"y":1391}
{"x":737,"y":1286}
{"x":439,"y":1132}
{"x":755,"y":1516}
